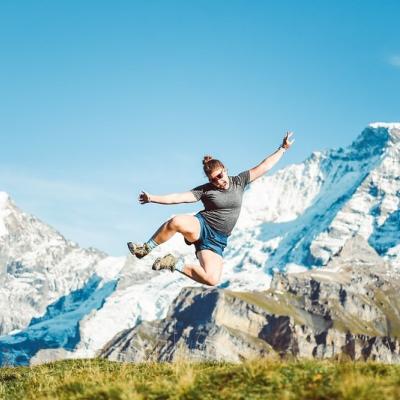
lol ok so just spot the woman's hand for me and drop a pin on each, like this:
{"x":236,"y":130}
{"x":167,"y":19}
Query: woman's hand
{"x":144,"y":198}
{"x":286,"y":142}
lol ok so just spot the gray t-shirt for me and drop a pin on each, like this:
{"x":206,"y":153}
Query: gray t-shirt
{"x":222,"y":206}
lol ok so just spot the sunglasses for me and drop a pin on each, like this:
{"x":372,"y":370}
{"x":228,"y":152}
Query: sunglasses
{"x":217,"y":177}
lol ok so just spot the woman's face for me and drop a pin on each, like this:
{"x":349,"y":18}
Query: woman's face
{"x":219,"y":178}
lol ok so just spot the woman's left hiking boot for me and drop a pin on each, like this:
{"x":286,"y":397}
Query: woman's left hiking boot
{"x":138,"y":250}
{"x":166,"y":262}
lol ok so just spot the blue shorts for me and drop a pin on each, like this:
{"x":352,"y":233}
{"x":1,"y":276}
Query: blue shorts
{"x":210,"y":238}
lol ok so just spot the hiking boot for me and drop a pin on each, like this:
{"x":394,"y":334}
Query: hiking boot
{"x":138,"y":250}
{"x":166,"y":262}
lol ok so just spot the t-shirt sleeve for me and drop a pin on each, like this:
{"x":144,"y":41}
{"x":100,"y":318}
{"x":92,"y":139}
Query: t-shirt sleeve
{"x":244,"y":178}
{"x":198,"y":191}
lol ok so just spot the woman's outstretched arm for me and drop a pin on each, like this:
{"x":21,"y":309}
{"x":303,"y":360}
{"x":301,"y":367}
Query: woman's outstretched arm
{"x":271,"y":160}
{"x":173,"y":198}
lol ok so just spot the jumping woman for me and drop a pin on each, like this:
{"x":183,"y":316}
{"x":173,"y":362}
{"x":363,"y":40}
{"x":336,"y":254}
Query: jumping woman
{"x":209,"y":229}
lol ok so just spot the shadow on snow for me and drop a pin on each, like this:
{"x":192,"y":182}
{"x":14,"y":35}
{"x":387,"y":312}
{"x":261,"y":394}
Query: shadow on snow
{"x":58,"y":327}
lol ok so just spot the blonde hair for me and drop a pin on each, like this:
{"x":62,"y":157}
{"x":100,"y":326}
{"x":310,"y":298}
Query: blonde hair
{"x":210,"y":164}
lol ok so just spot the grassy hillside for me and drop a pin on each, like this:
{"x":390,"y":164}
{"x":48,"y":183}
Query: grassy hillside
{"x":258,"y":379}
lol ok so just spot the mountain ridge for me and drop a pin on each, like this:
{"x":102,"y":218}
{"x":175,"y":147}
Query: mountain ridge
{"x":296,"y":219}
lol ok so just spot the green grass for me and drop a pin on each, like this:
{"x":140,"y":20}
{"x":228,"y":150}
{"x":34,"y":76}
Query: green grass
{"x":257,"y":379}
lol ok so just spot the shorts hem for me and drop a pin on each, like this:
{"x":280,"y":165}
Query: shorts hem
{"x":203,"y":243}
{"x":208,"y":248}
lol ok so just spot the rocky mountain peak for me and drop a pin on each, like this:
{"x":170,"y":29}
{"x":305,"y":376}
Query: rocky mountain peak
{"x":371,"y":141}
{"x":357,"y":252}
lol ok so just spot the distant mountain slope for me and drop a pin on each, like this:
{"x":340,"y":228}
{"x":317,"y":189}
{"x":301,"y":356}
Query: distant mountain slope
{"x":38,"y":266}
{"x":304,"y":213}
{"x":295,"y":219}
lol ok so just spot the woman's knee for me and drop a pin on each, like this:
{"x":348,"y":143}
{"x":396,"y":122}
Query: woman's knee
{"x":212,"y":280}
{"x":175,"y":223}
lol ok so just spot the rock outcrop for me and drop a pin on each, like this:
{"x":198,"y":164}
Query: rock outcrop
{"x":348,"y":309}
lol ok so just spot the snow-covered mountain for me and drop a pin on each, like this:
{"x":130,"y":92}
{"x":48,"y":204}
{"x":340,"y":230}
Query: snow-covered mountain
{"x":40,"y":275}
{"x":304,"y":213}
{"x":57,"y":299}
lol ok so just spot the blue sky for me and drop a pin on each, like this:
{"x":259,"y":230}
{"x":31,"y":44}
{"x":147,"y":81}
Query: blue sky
{"x":101,"y":99}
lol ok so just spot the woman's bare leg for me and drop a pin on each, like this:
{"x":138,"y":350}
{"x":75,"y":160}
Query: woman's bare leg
{"x":209,"y":271}
{"x":187,"y":225}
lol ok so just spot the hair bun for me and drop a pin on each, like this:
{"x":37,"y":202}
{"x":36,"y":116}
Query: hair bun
{"x":206,"y":159}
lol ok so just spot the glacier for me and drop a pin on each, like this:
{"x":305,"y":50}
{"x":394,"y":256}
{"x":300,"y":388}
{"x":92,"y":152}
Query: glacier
{"x":57,"y":298}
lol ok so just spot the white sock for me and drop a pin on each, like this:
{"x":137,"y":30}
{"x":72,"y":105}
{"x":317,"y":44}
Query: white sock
{"x":180,"y":264}
{"x":151,"y":244}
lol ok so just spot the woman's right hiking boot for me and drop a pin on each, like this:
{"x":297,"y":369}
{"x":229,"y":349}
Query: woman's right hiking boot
{"x":138,"y":250}
{"x":166,"y":262}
